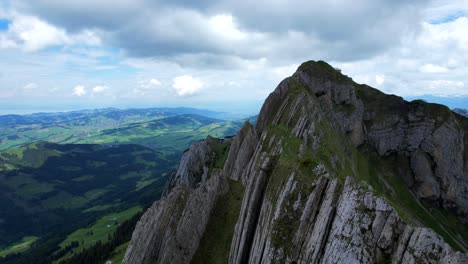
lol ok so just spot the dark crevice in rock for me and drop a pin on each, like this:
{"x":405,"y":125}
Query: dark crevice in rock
{"x":327,"y":233}
{"x":406,"y":247}
{"x":319,"y":94}
{"x":255,"y":210}
{"x":317,"y":205}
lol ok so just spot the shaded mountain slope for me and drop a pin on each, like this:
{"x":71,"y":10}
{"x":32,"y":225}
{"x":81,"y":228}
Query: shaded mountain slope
{"x":332,"y":172}
{"x":47,"y":188}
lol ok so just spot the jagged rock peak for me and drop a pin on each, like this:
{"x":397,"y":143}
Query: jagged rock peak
{"x":170,"y":231}
{"x":332,"y":172}
{"x":429,"y":136}
{"x":196,"y":162}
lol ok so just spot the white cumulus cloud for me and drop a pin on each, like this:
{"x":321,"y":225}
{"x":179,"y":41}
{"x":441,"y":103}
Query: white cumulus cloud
{"x":379,"y":79}
{"x":448,"y":87}
{"x":284,"y":71}
{"x":79,"y":90}
{"x":100,"y":88}
{"x":30,"y":33}
{"x":240,"y":49}
{"x":155,"y":82}
{"x":30,"y":86}
{"x":186,"y":85}
{"x":146,"y":87}
{"x":431,"y":68}
{"x":223,"y":25}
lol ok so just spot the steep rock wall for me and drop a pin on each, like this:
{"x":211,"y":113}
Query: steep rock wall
{"x":170,"y":231}
{"x":322,"y":170}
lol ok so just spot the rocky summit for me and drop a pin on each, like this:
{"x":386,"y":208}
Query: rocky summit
{"x":332,"y":172}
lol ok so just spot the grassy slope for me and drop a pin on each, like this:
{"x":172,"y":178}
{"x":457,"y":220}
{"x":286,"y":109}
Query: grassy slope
{"x":51,"y":183}
{"x":49,"y":178}
{"x":119,"y":253}
{"x":63,"y":129}
{"x":30,"y":155}
{"x":72,"y":175}
{"x":167,"y":139}
{"x":166,"y":132}
{"x":19,"y":247}
{"x":216,"y":242}
{"x":99,"y":231}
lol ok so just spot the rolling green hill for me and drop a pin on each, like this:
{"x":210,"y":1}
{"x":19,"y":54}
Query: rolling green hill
{"x":106,"y":126}
{"x":51,"y":188}
{"x":64,"y":175}
{"x":168,"y":135}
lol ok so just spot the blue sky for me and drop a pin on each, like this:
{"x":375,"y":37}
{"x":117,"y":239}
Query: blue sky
{"x":4,"y":24}
{"x":224,"y":55}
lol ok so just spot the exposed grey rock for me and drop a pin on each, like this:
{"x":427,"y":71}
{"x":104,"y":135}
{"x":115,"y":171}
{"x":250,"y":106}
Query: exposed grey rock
{"x":147,"y":239}
{"x":342,"y":225}
{"x":424,"y":177}
{"x":241,"y":150}
{"x":194,"y":164}
{"x":171,"y":229}
{"x":180,"y":242}
{"x":407,"y":130}
{"x":251,"y":209}
{"x":292,"y":213}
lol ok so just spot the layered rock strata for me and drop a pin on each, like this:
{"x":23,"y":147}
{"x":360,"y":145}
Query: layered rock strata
{"x":334,"y":172}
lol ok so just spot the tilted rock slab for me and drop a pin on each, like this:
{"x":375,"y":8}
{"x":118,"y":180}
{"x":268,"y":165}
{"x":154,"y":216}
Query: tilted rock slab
{"x":289,"y":215}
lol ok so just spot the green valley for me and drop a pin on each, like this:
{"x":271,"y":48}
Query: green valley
{"x":99,"y":231}
{"x":45,"y":186}
{"x":68,"y":181}
{"x":113,"y":126}
{"x":19,"y":247}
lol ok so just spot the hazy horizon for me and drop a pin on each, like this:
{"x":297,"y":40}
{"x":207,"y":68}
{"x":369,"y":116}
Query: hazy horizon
{"x":250,"y":109}
{"x":247,"y":110}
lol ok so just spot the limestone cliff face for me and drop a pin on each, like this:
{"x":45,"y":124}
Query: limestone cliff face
{"x":336,"y":224}
{"x":429,"y":136}
{"x":169,"y":232}
{"x":333,"y":172}
{"x":194,"y":164}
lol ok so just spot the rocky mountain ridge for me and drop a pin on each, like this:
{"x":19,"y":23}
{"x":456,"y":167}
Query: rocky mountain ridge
{"x":332,"y":171}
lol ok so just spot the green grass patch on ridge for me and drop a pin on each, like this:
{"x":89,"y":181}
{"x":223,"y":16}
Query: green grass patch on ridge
{"x":342,"y":159}
{"x":216,"y":241}
{"x":19,"y":247}
{"x":119,"y":253}
{"x":99,"y":231}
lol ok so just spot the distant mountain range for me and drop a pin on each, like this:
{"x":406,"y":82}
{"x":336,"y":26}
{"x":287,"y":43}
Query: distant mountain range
{"x":167,"y":129}
{"x":463,"y":112}
{"x":111,"y":113}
